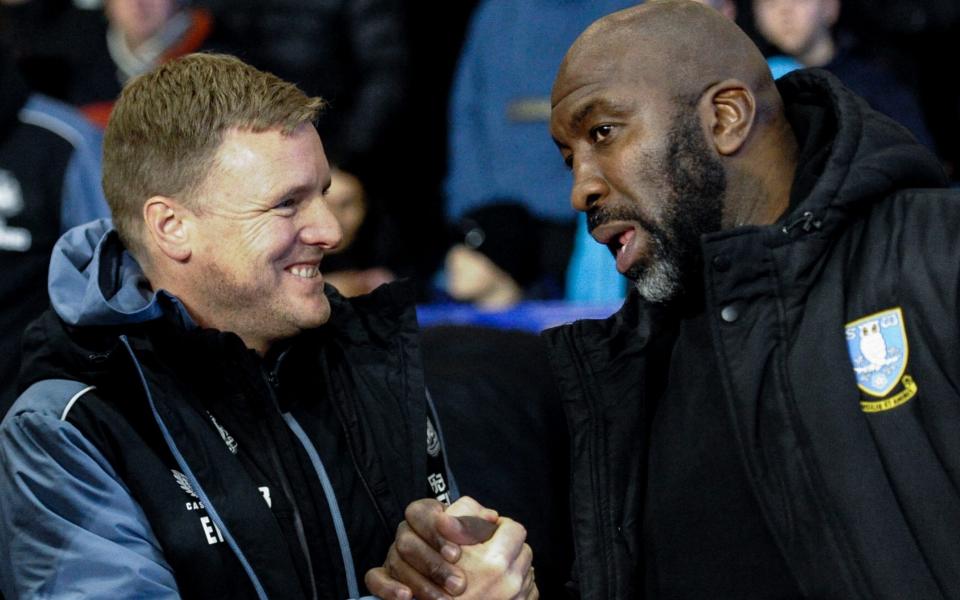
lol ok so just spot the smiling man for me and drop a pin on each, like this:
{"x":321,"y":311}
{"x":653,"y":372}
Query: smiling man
{"x":773,"y":413}
{"x":202,"y":418}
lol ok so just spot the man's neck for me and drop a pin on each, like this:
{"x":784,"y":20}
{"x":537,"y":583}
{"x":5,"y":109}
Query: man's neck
{"x":759,"y":191}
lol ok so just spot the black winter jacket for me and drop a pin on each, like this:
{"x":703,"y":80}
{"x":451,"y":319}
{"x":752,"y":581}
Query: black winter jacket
{"x":853,"y":454}
{"x":134,"y":488}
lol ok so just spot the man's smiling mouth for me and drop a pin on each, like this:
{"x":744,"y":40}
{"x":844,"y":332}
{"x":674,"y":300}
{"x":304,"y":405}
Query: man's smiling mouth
{"x":304,"y":271}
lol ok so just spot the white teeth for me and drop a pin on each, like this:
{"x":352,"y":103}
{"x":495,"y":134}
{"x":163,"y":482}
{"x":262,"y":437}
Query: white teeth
{"x":305,"y":272}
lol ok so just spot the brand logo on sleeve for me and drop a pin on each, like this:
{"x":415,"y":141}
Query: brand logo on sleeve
{"x":15,"y":239}
{"x":433,"y":440}
{"x":224,"y":435}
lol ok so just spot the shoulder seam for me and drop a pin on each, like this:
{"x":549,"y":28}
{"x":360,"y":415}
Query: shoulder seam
{"x":73,"y":400}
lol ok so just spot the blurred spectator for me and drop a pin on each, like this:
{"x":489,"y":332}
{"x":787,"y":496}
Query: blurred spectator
{"x":804,"y":30}
{"x":353,"y":53}
{"x":347,"y":201}
{"x":49,"y":182}
{"x":500,"y":107}
{"x":921,"y":34}
{"x":85,"y":56}
{"x":494,"y":260}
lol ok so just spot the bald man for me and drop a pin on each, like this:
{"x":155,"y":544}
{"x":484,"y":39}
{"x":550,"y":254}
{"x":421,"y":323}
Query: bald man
{"x":751,"y":424}
{"x":775,"y":411}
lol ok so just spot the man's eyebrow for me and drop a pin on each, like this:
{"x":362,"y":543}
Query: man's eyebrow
{"x":582,"y":113}
{"x":585,"y":111}
{"x":294,"y":190}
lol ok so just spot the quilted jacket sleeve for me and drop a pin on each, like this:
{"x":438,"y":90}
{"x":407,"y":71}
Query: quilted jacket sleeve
{"x":69,"y":527}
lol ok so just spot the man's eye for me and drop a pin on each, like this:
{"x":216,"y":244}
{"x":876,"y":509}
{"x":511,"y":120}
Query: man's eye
{"x":600,"y":133}
{"x":286,"y":203}
{"x":568,"y":160}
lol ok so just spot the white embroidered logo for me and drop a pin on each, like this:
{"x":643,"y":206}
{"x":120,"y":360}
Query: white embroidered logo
{"x":433,"y":440}
{"x":183,"y":482}
{"x":16,"y":239}
{"x":227,"y":438}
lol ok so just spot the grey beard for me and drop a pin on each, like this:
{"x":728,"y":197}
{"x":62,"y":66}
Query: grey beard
{"x":660,"y":282}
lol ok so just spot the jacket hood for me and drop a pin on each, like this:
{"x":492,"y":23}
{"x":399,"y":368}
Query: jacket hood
{"x":97,"y":292}
{"x":867,"y":155}
{"x":94,"y":280}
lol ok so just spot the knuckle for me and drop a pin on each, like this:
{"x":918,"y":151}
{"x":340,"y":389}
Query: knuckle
{"x":405,"y":545}
{"x":468,"y":503}
{"x":498,"y":562}
{"x":437,"y":572}
{"x":514,"y":583}
{"x":412,"y":510}
{"x":391,"y":558}
{"x":518,"y":529}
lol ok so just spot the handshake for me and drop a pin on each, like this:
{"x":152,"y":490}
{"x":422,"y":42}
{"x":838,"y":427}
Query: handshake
{"x":463,"y":551}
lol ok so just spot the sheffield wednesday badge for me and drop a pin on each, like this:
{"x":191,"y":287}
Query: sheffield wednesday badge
{"x":878,"y":350}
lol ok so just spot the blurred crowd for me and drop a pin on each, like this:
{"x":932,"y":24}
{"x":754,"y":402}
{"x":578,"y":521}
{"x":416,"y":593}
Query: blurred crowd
{"x":437,"y":116}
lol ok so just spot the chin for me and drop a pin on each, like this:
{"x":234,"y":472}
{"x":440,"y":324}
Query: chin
{"x":320,"y":313}
{"x":660,"y":283}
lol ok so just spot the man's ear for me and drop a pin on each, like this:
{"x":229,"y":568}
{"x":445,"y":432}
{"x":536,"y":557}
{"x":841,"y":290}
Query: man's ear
{"x":729,"y":109}
{"x":168,"y":225}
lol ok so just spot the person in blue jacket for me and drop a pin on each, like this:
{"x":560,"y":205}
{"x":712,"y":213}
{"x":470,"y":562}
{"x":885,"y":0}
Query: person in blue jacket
{"x":49,"y":182}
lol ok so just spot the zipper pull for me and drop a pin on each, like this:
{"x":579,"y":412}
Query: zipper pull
{"x":807,"y":222}
{"x":273,"y":380}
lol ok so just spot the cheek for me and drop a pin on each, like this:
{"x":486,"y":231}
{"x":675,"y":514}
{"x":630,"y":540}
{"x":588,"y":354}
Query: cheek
{"x":646,"y":174}
{"x":267,"y":240}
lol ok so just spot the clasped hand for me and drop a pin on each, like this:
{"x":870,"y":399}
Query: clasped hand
{"x":436,"y":556}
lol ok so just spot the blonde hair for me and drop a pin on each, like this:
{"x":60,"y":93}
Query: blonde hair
{"x":167,"y":125}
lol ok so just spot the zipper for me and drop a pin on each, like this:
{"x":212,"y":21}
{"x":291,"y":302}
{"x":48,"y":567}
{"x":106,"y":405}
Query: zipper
{"x":353,"y":456}
{"x":272,"y":381}
{"x":363,"y":480}
{"x":192,"y":478}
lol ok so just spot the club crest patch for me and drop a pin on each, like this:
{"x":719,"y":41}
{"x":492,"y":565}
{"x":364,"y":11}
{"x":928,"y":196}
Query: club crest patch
{"x":879,"y":351}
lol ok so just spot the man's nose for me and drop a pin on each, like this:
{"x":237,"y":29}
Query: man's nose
{"x":320,"y":227}
{"x":589,"y":186}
